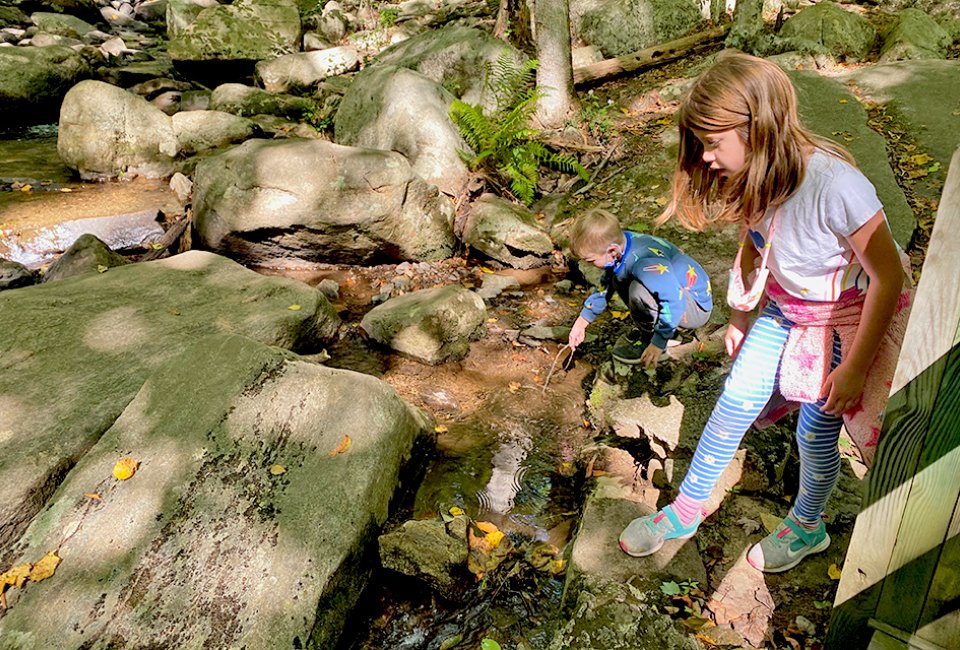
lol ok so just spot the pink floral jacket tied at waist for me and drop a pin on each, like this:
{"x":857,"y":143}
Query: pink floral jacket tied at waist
{"x":806,"y":359}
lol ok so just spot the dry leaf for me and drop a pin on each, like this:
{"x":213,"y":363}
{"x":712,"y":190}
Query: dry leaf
{"x":440,"y":428}
{"x":65,"y":189}
{"x":26,"y":188}
{"x":277,"y":470}
{"x":920,"y":159}
{"x":842,"y":101}
{"x":294,"y":307}
{"x":45,"y":567}
{"x":342,"y":447}
{"x":834,"y":572}
{"x":456,"y":511}
{"x":125,"y":468}
{"x":15,"y":576}
{"x":93,"y":495}
{"x":485,"y":269}
{"x":101,"y":268}
{"x":487,"y":527}
{"x":513,"y":386}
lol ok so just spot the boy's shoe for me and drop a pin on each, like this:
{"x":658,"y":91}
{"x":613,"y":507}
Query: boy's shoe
{"x":645,"y":535}
{"x":787,"y":545}
{"x":630,"y":346}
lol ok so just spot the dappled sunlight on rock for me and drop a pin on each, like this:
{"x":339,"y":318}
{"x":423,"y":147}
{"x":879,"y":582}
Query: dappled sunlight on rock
{"x":117,"y":331}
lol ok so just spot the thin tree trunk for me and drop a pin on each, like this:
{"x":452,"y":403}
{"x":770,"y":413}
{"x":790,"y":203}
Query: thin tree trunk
{"x":555,"y":73}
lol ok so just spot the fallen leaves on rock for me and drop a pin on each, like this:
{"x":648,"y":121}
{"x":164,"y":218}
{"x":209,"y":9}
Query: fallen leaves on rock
{"x":277,"y":470}
{"x":125,"y":468}
{"x":19,"y":575}
{"x":341,"y":447}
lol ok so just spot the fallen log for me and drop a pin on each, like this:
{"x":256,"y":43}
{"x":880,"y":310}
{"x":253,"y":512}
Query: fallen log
{"x":647,"y":57}
{"x":161,"y":248}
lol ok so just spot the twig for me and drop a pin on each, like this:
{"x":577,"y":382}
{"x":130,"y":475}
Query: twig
{"x":566,"y":365}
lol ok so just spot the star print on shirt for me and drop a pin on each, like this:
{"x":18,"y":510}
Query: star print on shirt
{"x":656,"y":268}
{"x":656,"y":251}
{"x":691,"y":276}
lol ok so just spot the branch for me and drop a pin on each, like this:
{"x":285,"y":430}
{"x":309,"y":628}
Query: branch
{"x":646,"y":58}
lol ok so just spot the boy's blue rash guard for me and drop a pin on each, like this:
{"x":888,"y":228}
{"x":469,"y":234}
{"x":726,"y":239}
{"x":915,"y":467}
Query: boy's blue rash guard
{"x":668,"y":273}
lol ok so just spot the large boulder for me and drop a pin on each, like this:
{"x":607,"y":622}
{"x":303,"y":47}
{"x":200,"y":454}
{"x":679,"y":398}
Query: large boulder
{"x":247,"y":30}
{"x":621,"y":26}
{"x":77,"y":351}
{"x":828,"y":28}
{"x":198,"y":131}
{"x":915,"y":35}
{"x":400,"y":110}
{"x":432,"y":325}
{"x":106,"y":131}
{"x":251,"y":520}
{"x":34,"y":80}
{"x":304,"y":70}
{"x":86,"y":255}
{"x":246,"y":101}
{"x":508,"y":233}
{"x":457,"y":58}
{"x":316,"y":201}
{"x":61,"y":24}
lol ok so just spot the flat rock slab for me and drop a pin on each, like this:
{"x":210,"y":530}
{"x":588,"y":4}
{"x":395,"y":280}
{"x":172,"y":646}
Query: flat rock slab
{"x":827,"y":107}
{"x":249,"y":522}
{"x":926,"y":96}
{"x":75,"y":352}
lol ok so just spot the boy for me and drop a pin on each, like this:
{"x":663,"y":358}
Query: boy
{"x":664,"y":288}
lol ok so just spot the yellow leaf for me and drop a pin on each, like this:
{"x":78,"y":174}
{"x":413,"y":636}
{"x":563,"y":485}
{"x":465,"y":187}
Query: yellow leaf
{"x":294,"y":307}
{"x":494,"y":538}
{"x":156,"y":246}
{"x":834,"y":572}
{"x":485,"y":269}
{"x":125,"y":468}
{"x":619,"y":315}
{"x":342,"y":447}
{"x":661,"y":201}
{"x":491,"y":320}
{"x":101,"y":268}
{"x":15,"y":576}
{"x":513,"y":386}
{"x":456,"y":511}
{"x":842,"y":101}
{"x":440,"y":428}
{"x":920,"y":159}
{"x":277,"y":470}
{"x":45,"y":567}
{"x":558,"y":566}
{"x":65,"y":189}
{"x":26,"y":188}
{"x":93,"y":495}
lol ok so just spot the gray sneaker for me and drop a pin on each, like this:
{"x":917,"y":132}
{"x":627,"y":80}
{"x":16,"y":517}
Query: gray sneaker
{"x":645,"y":535}
{"x":785,"y":547}
{"x":630,"y":346}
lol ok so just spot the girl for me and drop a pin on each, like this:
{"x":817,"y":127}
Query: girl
{"x":832,"y":278}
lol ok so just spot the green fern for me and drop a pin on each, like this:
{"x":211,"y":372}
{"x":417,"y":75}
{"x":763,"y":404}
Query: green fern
{"x":503,"y":146}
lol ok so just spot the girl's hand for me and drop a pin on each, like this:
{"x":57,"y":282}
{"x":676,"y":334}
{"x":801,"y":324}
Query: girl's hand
{"x":843,"y":389}
{"x":577,"y":332}
{"x":736,"y":332}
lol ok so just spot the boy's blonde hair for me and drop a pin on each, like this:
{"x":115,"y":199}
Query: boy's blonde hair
{"x":755,"y":98}
{"x":593,"y":231}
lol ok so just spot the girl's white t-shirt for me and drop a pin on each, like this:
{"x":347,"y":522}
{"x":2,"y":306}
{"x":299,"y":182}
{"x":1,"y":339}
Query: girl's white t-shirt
{"x":811,"y":257}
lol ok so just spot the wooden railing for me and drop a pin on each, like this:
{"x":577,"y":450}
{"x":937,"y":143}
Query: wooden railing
{"x":900,"y":586}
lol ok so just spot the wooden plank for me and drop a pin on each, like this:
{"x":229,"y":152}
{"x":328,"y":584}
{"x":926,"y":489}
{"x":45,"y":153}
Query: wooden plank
{"x":887,"y":637}
{"x":940,"y":620}
{"x":647,"y":57}
{"x":929,"y":509}
{"x":882,"y":641}
{"x":931,"y":333}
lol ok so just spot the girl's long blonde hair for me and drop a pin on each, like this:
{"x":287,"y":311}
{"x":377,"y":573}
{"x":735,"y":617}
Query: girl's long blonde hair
{"x":755,"y":98}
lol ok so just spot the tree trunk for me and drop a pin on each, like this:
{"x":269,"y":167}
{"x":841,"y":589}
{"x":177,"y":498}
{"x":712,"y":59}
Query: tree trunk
{"x":555,"y":73}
